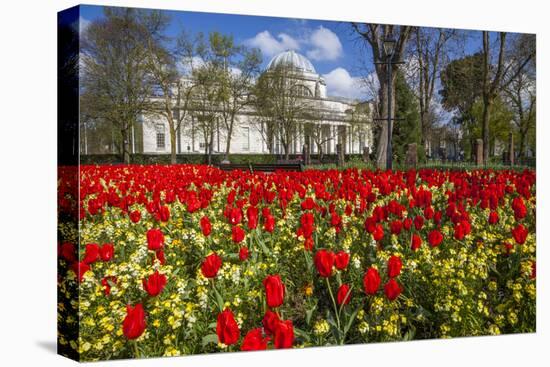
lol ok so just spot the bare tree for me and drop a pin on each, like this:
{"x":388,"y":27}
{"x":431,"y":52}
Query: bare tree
{"x":521,"y":94}
{"x":170,"y":70}
{"x":238,"y":67}
{"x":505,"y":71}
{"x":428,"y":56}
{"x":374,"y":35}
{"x":281,"y":106}
{"x":116,"y":83}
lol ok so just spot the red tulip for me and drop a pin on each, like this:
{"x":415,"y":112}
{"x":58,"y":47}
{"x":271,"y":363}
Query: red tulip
{"x":392,"y":289}
{"x":378,"y":233}
{"x":134,"y":323}
{"x":274,"y":290}
{"x":254,"y":340}
{"x":68,"y":251}
{"x":371,"y":281}
{"x":396,"y":227}
{"x":237,"y":234}
{"x":341,"y":260}
{"x":269,"y":223}
{"x":227,"y":328}
{"x":416,"y":242}
{"x":243,"y":253}
{"x":283,"y":335}
{"x":252,"y":216}
{"x":80,"y":268}
{"x":394,"y":266}
{"x":324,"y":261}
{"x":106,"y":282}
{"x":155,"y":239}
{"x":107,"y":252}
{"x":164,"y":213}
{"x":344,"y":294}
{"x":160,"y":256}
{"x":520,"y":234}
{"x":206,"y":226}
{"x":418,"y":222}
{"x":308,"y":244}
{"x":211,"y":265}
{"x":435,"y":238}
{"x":235,"y":215}
{"x":91,"y":254}
{"x":135,"y":216}
{"x":493,"y":217}
{"x":154,"y":284}
{"x":270,"y":321}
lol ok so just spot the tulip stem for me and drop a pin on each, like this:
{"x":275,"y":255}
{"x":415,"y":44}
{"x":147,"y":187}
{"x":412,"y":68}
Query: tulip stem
{"x":136,"y":350}
{"x":336,"y":313}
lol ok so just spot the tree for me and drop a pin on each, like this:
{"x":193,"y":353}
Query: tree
{"x":521,"y":95}
{"x":505,"y":71}
{"x":500,"y":125}
{"x":172,"y":100}
{"x":281,"y":107}
{"x":408,"y":129}
{"x":238,"y":68}
{"x":461,"y":82}
{"x":116,"y":82}
{"x":374,"y":35}
{"x":429,"y":53}
{"x":205,"y":104}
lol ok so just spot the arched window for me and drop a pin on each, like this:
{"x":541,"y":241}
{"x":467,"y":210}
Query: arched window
{"x":302,"y":90}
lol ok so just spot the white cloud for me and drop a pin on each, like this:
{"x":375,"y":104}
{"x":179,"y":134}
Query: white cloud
{"x":341,"y":83}
{"x":84,"y":24}
{"x":270,"y":45}
{"x":325,"y":45}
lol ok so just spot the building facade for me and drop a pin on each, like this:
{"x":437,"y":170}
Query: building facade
{"x":335,"y":120}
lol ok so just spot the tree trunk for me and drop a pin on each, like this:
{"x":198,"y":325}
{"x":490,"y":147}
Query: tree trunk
{"x":173,"y":159}
{"x":125,"y":144}
{"x":228,"y":141}
{"x":488,"y":102}
{"x":381,"y":150}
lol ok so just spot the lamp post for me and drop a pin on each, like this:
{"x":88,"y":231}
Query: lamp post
{"x":389,"y":49}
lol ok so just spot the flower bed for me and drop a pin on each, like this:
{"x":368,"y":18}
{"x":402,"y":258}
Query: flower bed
{"x":188,"y":259}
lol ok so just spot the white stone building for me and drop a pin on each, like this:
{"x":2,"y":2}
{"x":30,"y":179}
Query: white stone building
{"x":335,"y":115}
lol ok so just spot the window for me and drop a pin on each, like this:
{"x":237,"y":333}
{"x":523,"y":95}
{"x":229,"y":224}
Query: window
{"x":161,"y":136}
{"x":302,"y":91}
{"x":246,"y":140}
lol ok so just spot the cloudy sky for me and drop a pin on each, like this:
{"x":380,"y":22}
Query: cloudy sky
{"x":328,"y":45}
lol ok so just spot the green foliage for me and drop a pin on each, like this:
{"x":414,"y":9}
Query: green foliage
{"x":407,"y":130}
{"x":500,"y":124}
{"x":461,"y":81}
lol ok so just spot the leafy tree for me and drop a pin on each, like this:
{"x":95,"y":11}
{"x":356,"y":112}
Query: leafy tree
{"x":407,"y":129}
{"x":461,"y":82}
{"x":500,"y":123}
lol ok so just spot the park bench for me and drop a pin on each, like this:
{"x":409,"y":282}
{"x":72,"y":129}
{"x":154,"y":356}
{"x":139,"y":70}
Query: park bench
{"x":262,"y":167}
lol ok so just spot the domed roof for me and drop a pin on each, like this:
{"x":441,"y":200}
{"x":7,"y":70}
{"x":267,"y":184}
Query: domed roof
{"x":293,"y":59}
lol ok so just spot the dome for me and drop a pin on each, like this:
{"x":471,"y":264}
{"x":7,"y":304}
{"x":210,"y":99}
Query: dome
{"x":293,"y":59}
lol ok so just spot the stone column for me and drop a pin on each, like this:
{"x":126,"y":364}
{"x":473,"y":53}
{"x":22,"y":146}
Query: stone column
{"x":479,"y":152}
{"x":511,"y":148}
{"x":412,"y":157}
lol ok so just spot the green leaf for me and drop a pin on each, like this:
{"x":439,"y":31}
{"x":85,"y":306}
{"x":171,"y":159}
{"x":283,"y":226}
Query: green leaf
{"x":302,"y":334}
{"x":210,"y":338}
{"x":351,"y":319}
{"x":309,"y":314}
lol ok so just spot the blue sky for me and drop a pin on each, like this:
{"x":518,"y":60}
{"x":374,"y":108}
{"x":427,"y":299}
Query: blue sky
{"x":330,"y":45}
